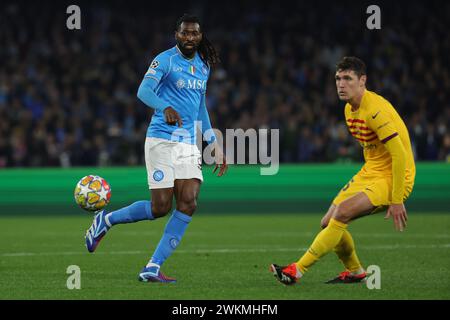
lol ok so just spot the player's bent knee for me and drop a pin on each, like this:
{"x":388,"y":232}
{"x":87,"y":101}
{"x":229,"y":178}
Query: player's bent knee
{"x":326,"y":218}
{"x":188,"y":207}
{"x":324,"y":222}
{"x":160,"y":209}
{"x":342,"y":213}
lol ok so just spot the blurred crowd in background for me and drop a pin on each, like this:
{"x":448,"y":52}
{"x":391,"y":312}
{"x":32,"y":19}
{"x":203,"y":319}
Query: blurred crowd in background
{"x":68,"y":97}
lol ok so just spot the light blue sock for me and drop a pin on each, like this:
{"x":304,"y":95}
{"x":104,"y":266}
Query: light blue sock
{"x":174,"y":231}
{"x":140,"y":210}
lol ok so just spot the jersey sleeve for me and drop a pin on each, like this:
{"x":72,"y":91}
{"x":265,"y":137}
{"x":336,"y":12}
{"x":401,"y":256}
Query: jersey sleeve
{"x":207,"y":77}
{"x":203,"y":117}
{"x":159,"y":68}
{"x":157,"y":71}
{"x":382,"y":124}
{"x":398,"y":154}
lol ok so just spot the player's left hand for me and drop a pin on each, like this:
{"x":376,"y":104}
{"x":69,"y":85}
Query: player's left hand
{"x":398,"y":213}
{"x":221,"y":162}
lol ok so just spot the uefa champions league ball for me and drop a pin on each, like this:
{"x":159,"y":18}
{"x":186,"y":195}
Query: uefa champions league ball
{"x":92,"y":193}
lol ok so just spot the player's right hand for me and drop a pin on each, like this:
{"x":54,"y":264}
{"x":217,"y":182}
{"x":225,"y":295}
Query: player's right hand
{"x":172,"y":117}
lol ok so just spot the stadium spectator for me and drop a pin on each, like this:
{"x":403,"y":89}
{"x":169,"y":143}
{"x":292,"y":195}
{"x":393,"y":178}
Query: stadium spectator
{"x":68,"y":98}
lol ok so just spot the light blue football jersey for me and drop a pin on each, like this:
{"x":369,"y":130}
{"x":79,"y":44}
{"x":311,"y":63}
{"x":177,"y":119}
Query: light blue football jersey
{"x":181,"y":82}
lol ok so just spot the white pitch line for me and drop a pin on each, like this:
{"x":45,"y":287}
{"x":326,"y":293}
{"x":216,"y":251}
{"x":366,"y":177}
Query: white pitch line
{"x":224,"y":250}
{"x":359,"y":235}
{"x":260,"y":234}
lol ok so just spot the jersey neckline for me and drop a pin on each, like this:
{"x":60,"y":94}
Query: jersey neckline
{"x":184,"y":57}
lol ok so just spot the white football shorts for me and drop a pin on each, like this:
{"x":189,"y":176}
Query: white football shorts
{"x":168,"y":160}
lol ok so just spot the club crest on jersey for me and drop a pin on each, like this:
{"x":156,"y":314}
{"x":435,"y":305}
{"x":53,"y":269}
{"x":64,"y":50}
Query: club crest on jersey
{"x":204,"y":70}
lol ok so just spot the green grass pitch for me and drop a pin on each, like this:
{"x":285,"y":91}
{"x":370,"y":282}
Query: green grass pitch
{"x":220,"y":257}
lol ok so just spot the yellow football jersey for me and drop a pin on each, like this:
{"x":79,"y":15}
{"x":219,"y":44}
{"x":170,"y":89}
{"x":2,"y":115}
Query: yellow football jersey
{"x":373,"y":124}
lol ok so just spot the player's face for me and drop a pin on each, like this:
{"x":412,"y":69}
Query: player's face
{"x":348,"y":84}
{"x":188,"y":37}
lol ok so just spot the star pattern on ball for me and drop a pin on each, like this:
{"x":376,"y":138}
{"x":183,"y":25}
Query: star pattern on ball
{"x":103,"y":194}
{"x":84,"y":190}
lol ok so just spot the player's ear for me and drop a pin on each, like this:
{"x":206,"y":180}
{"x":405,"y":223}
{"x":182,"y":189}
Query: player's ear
{"x":362,"y":80}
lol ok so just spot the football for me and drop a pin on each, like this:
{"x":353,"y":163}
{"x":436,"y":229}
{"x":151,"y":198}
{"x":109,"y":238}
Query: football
{"x":92,"y":193}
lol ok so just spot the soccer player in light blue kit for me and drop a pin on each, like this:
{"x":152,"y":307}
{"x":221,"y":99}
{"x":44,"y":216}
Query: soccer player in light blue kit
{"x":175,"y":87}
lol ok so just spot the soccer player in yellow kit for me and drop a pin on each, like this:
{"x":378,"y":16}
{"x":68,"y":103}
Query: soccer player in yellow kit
{"x":385,"y":181}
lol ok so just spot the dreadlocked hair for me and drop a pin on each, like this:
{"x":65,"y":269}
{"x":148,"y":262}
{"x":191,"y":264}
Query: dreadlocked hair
{"x":206,"y":50}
